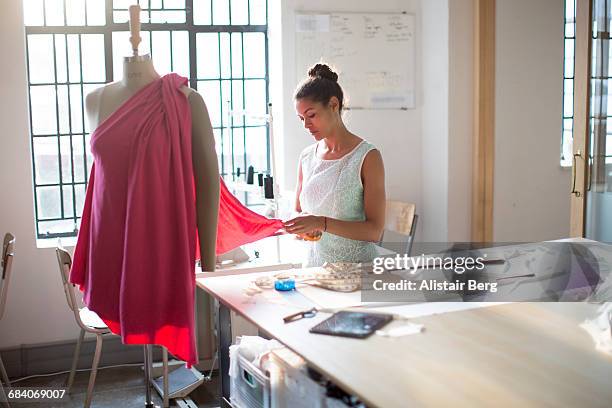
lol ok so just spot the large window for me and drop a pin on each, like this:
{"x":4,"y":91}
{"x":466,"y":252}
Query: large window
{"x":75,"y":46}
{"x":568,"y":82}
{"x":600,"y":134}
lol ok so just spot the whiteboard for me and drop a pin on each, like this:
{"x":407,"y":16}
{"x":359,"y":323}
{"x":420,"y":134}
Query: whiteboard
{"x":373,"y":54}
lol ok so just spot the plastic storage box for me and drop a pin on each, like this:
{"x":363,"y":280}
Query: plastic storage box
{"x":251,"y":389}
{"x":292,"y":386}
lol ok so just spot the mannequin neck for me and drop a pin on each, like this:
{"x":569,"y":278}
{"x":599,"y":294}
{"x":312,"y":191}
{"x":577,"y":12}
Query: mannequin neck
{"x":138,"y":72}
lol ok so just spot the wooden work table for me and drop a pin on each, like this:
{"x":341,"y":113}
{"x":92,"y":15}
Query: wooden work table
{"x":519,"y":354}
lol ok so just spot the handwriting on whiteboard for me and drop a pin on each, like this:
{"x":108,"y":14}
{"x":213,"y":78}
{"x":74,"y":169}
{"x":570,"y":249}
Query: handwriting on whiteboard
{"x":373,"y":53}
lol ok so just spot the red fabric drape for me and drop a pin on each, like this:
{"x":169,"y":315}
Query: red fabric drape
{"x":136,"y":250}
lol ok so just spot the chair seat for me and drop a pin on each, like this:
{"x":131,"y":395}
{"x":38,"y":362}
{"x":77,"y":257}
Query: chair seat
{"x":91,"y":319}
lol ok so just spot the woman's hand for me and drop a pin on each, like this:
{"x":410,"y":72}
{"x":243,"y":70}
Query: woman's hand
{"x":304,"y":224}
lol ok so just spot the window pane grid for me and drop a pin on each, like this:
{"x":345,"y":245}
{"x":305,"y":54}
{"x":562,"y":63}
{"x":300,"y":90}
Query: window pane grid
{"x":81,"y":56}
{"x":151,"y":11}
{"x":57,"y":119}
{"x":56,"y":13}
{"x":70,"y":127}
{"x":243,"y":104}
{"x":228,"y":80}
{"x":568,"y":82}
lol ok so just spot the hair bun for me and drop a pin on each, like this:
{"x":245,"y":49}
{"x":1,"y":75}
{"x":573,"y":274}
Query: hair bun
{"x":322,"y":71}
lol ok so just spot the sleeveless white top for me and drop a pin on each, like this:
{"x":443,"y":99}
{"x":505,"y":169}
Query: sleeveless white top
{"x":333,"y":188}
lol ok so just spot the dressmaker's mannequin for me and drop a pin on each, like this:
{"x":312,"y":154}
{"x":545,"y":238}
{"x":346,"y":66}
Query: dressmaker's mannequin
{"x":138,"y":71}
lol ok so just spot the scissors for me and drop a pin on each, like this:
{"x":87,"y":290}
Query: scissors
{"x":312,"y":312}
{"x":308,"y":313}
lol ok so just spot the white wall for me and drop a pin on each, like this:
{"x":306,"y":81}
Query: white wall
{"x":36,"y":310}
{"x":426,"y":150}
{"x":460,"y":118}
{"x":397,"y":134}
{"x":434,"y":139}
{"x":531,"y":192}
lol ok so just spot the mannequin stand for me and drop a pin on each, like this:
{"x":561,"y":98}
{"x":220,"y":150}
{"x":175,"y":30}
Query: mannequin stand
{"x":148,"y":357}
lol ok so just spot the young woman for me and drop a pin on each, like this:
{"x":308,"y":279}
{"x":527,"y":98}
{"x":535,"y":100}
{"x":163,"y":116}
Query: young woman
{"x":341,"y":179}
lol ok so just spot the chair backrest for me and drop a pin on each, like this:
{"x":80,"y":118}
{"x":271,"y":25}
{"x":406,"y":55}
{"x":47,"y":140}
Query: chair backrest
{"x":400,"y":218}
{"x":64,"y":261}
{"x":8,"y":252}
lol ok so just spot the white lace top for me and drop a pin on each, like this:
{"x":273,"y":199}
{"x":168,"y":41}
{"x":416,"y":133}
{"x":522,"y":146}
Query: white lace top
{"x":333,"y":188}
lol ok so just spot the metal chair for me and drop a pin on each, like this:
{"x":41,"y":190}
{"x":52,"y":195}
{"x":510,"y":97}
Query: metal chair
{"x":3,"y":397}
{"x":400,"y":223}
{"x":8,"y":252}
{"x":88,"y":321}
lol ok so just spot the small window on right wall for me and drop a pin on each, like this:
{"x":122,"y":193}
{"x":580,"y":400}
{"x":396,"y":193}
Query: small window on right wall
{"x":568,"y":82}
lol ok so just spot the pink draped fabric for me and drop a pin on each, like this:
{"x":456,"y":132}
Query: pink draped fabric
{"x":136,"y":250}
{"x":239,"y":225}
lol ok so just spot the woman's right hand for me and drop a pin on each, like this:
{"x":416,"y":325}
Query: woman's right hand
{"x":305,"y":224}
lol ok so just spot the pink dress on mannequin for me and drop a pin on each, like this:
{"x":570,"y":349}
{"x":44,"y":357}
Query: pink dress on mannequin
{"x":136,"y":250}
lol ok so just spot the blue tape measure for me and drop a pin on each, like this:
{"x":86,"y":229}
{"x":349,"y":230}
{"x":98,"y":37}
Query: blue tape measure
{"x":284,"y":285}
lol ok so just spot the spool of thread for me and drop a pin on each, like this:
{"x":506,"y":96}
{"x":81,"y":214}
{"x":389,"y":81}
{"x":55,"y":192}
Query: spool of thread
{"x":260,"y":179}
{"x":250,"y":175}
{"x":268,"y":187}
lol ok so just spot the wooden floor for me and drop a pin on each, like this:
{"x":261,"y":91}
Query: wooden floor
{"x":120,"y":387}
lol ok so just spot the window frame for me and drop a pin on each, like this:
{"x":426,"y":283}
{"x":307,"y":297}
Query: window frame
{"x":567,"y":161}
{"x":225,"y":130}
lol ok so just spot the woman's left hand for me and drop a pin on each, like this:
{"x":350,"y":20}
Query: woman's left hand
{"x":304,"y":224}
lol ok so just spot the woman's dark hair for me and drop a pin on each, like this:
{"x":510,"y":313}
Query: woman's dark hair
{"x":321,"y":85}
